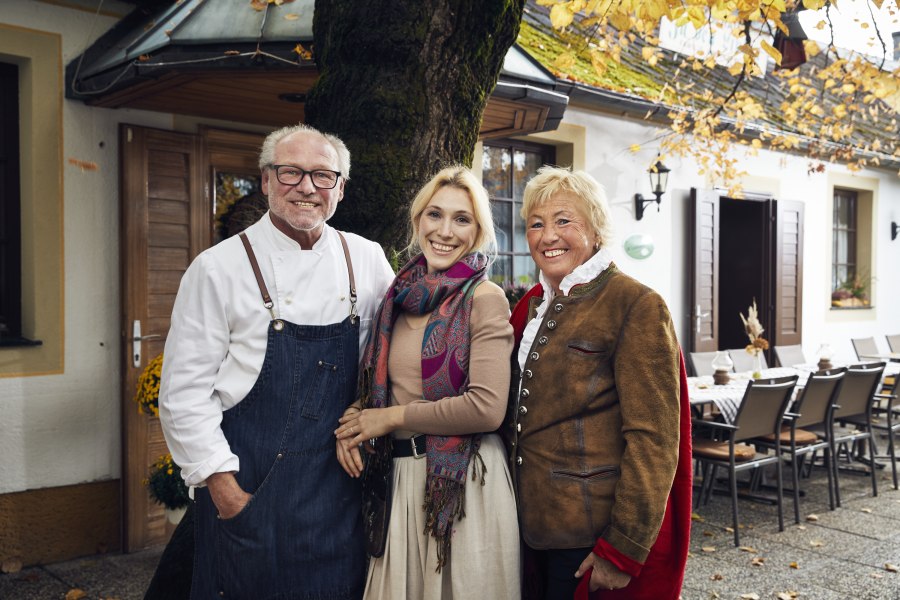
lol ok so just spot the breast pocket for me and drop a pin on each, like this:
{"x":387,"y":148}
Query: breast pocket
{"x":322,"y":381}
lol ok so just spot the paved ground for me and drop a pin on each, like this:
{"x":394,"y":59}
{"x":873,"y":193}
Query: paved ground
{"x":840,"y":556}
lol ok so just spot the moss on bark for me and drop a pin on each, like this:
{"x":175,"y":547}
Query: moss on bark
{"x":404,"y":84}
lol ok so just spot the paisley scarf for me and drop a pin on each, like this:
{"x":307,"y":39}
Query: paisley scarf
{"x":447,"y":296}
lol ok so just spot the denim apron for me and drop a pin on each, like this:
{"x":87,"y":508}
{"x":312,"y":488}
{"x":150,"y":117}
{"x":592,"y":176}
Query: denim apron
{"x":300,"y":535}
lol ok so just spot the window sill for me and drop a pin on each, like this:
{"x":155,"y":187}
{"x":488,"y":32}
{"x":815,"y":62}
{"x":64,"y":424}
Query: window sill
{"x":18,"y":342}
{"x":841,"y":308}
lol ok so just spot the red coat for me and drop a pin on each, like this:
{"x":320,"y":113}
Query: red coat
{"x":661,"y":576}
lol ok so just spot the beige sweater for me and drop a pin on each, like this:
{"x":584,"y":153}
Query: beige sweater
{"x":483,"y":405}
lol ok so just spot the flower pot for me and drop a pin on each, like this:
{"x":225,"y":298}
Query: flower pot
{"x":174,"y":514}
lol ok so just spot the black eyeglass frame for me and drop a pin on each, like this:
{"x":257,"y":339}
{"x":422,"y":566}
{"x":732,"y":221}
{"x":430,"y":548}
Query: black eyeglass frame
{"x":304,"y":173}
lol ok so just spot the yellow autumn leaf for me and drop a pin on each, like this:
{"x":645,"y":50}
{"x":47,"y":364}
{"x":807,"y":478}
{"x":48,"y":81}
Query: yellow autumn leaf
{"x":291,"y":17}
{"x":647,"y":52}
{"x":891,"y":567}
{"x":564,"y":61}
{"x":708,"y":548}
{"x":736,"y":68}
{"x":794,"y":565}
{"x":749,"y":596}
{"x":635,"y":148}
{"x":821,"y":25}
{"x":812,"y":518}
{"x":848,"y":88}
{"x":560,"y":16}
{"x":747,"y":549}
{"x":75,"y":594}
{"x":771,"y":51}
{"x":813,"y":4}
{"x":865,"y":510}
{"x":758,"y":561}
{"x":816,"y":543}
{"x":756,"y":144}
{"x":258,"y":4}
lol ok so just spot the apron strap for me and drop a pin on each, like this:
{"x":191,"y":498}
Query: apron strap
{"x":353,"y":312}
{"x":267,"y":299}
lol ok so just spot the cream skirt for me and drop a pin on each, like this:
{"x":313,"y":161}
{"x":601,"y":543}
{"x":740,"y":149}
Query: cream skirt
{"x":484,"y":553}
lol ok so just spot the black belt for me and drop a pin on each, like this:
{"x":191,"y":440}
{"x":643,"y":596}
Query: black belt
{"x":414,"y":446}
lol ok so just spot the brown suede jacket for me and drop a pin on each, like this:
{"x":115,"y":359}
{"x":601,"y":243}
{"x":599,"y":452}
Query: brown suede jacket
{"x":593,"y":433}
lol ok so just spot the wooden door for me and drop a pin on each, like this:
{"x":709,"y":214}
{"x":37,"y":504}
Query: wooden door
{"x":787,"y":318}
{"x":165,"y":223}
{"x":704,"y":275}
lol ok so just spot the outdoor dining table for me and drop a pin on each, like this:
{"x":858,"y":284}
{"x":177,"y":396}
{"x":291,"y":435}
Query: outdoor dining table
{"x":727,"y":398}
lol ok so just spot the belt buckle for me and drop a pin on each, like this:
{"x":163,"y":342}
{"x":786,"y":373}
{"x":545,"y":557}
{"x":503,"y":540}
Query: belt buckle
{"x":415,"y":452}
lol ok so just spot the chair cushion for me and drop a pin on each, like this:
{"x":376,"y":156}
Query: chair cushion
{"x":803,"y":437}
{"x":719,"y":450}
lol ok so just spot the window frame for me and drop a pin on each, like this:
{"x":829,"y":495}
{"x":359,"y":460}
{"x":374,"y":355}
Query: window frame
{"x":547,"y":155}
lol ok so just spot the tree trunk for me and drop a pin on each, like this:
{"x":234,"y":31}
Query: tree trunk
{"x":404,"y":84}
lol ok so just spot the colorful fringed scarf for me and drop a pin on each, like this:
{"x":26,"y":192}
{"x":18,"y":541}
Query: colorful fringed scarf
{"x":447,"y":296}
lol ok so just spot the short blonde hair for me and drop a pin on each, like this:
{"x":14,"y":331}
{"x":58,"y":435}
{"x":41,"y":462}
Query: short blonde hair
{"x":462,"y":178}
{"x":550,"y":180}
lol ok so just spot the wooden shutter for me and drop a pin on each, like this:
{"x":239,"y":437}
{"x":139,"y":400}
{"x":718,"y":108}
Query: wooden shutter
{"x":704,"y":275}
{"x":788,"y":289}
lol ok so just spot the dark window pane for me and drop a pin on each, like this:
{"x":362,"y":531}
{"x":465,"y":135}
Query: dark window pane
{"x":500,"y":210}
{"x":526,"y":164}
{"x":495,"y":174}
{"x":520,"y":243}
{"x":524,"y":270}
{"x":501,"y":270}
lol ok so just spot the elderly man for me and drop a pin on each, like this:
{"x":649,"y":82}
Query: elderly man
{"x":260,"y":362}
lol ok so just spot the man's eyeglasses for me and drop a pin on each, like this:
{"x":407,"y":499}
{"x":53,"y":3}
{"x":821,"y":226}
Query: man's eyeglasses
{"x":291,"y":175}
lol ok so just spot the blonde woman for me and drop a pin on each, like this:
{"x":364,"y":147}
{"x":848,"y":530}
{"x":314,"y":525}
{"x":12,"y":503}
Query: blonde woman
{"x":438,"y":363}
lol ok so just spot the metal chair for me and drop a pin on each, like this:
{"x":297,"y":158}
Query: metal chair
{"x":885,"y":417}
{"x":865,"y":347}
{"x":808,"y":429}
{"x":893,"y":342}
{"x":761,"y":413}
{"x":851,"y":419}
{"x":788,"y":356}
{"x":744,"y":361}
{"x":701,"y":362}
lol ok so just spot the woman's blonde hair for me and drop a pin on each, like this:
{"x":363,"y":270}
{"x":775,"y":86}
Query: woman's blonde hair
{"x":460,"y":177}
{"x":550,"y":180}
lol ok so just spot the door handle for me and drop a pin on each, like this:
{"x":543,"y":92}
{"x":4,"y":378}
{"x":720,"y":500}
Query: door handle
{"x":136,"y":339}
{"x":698,"y":317}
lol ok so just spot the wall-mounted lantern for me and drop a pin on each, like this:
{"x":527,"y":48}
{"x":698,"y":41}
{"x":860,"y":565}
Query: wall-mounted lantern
{"x":659,"y":176}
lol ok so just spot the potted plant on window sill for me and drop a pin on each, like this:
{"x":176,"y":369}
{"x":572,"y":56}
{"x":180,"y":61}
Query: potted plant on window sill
{"x":851,"y":294}
{"x":167,"y":487}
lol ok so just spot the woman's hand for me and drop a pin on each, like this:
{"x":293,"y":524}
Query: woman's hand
{"x":348,"y":454}
{"x":361,"y":426}
{"x":605,"y":575}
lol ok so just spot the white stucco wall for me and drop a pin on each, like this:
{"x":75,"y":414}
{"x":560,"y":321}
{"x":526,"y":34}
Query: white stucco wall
{"x":608,"y":158}
{"x":65,"y":429}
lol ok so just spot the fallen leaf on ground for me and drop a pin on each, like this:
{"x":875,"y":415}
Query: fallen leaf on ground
{"x":876,"y":575}
{"x":794,"y":565}
{"x":729,"y":529}
{"x":817,"y":543}
{"x":801,"y":527}
{"x":758,"y":561}
{"x":716,"y":577}
{"x":11,"y":565}
{"x":865,"y":510}
{"x":891,"y":568}
{"x":708,"y":533}
{"x":749,"y":596}
{"x":812,"y":517}
{"x":708,"y":548}
{"x":748,"y":549}
{"x":75,"y":594}
{"x":787,"y":595}
{"x":696,"y":517}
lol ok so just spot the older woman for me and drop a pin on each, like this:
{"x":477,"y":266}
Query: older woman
{"x":438,"y":363}
{"x":595,"y":426}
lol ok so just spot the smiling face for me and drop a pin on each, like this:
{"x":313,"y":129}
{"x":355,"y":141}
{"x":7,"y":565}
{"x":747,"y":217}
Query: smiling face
{"x":447,"y":228}
{"x":560,"y":236}
{"x":300,"y":211}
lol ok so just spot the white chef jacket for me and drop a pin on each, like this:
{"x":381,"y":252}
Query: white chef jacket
{"x":217,"y":340}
